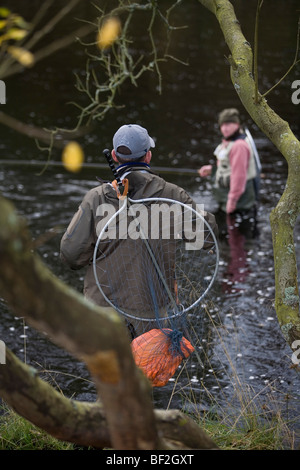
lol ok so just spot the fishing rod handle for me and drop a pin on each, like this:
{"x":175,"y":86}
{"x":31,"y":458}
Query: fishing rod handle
{"x":111,"y":164}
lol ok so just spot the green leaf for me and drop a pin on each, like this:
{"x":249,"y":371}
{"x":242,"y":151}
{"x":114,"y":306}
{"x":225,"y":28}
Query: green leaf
{"x":15,"y":33}
{"x":20,"y":22}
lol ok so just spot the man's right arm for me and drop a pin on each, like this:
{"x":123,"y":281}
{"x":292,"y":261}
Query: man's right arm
{"x":77,"y":244}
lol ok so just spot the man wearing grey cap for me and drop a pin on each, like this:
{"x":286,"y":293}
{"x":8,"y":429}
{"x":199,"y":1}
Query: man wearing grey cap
{"x":132,"y":152}
{"x":135,"y":138}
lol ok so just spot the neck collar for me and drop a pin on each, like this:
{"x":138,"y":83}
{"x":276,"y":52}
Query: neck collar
{"x":133,"y":164}
{"x":236,"y":135}
{"x":128,"y":167}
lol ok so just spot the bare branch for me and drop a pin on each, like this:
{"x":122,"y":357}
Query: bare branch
{"x":295,"y":62}
{"x":83,"y":423}
{"x":258,"y":8}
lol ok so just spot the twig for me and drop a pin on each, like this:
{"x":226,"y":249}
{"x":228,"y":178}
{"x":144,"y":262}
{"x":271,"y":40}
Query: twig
{"x":47,"y":50}
{"x":295,"y":61}
{"x":51,"y":24}
{"x":259,"y":5}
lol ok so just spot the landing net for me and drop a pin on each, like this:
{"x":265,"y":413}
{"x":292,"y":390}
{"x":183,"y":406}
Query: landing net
{"x":154,"y":261}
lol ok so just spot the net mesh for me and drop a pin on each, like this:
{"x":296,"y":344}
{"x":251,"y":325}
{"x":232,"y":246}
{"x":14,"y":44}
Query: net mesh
{"x":154,"y":261}
{"x":159,"y":353}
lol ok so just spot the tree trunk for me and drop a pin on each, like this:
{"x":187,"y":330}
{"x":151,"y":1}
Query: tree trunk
{"x":95,"y":335}
{"x":284,"y":215}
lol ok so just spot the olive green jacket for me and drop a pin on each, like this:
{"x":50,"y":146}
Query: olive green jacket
{"x":123,"y":268}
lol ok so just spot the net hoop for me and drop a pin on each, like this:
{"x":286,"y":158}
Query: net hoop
{"x":182,"y":310}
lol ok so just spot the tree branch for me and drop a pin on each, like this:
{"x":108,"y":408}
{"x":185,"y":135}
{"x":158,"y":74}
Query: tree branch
{"x":8,"y":65}
{"x":43,"y":53}
{"x":34,"y":399}
{"x":258,"y":8}
{"x":58,"y":137}
{"x":83,"y":423}
{"x":295,"y":62}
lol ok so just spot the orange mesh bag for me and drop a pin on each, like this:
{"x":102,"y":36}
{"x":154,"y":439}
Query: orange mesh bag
{"x":159,"y":352}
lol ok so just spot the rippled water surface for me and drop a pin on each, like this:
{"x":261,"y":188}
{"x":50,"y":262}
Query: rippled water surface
{"x":242,"y":346}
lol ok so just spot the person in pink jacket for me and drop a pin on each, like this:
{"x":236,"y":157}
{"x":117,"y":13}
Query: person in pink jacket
{"x":234,"y":175}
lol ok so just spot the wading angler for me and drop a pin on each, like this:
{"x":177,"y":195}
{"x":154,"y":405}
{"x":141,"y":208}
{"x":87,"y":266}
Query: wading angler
{"x":127,"y":240}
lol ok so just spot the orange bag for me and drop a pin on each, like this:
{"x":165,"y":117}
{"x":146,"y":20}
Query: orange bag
{"x":156,"y":355}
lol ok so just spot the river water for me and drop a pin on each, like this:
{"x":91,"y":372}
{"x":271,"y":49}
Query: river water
{"x":243,"y":348}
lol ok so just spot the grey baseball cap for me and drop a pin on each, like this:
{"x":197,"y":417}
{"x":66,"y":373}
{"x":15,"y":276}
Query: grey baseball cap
{"x":135,"y":138}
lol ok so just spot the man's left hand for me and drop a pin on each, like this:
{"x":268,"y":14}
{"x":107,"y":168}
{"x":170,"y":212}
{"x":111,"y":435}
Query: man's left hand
{"x":230,"y":206}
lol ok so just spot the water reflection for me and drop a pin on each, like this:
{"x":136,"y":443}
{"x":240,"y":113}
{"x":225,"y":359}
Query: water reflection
{"x":234,"y":231}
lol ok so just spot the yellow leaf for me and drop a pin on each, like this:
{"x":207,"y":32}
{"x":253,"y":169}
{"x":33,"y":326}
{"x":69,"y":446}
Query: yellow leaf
{"x":3,"y":23}
{"x":73,"y":156}
{"x":109,"y":32}
{"x":16,"y":33}
{"x":23,"y":56}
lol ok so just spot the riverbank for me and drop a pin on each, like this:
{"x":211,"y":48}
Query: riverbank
{"x":253,"y":432}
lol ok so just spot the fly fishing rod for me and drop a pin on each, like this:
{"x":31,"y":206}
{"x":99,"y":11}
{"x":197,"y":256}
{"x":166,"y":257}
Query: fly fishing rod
{"x":120,"y":188}
{"x":111,"y":165}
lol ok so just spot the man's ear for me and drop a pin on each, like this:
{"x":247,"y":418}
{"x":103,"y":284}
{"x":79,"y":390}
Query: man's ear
{"x":114,"y":156}
{"x":148,"y":157}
